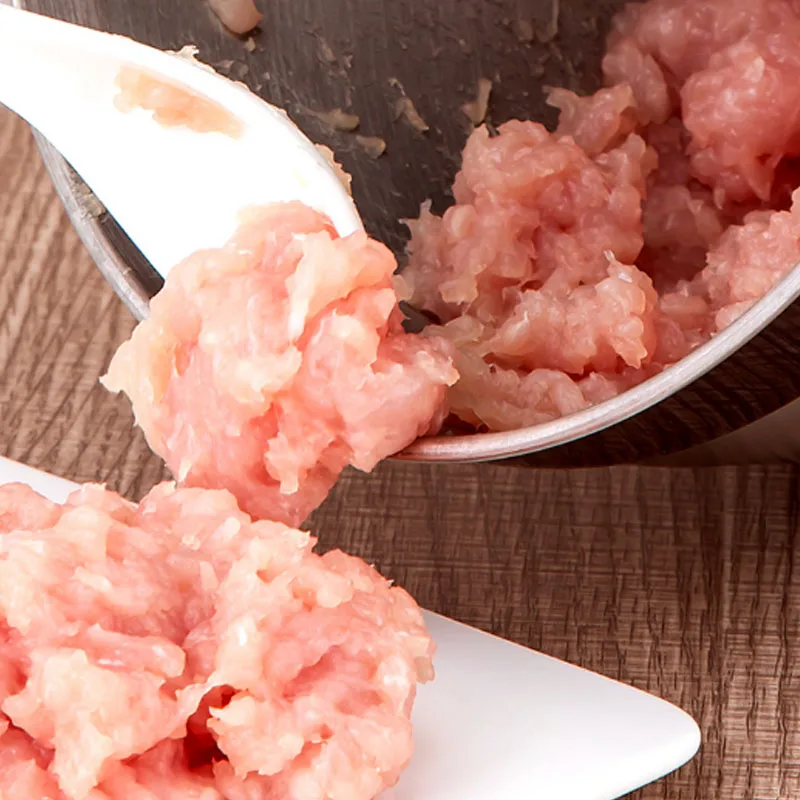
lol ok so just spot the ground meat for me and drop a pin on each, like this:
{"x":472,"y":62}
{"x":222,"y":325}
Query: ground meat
{"x":179,"y":650}
{"x":238,"y":16}
{"x":749,"y":260}
{"x":532,"y":211}
{"x":267,"y":366}
{"x":733,"y":72}
{"x":576,"y":264}
{"x":173,"y":106}
{"x":596,"y":122}
{"x":531,"y":271}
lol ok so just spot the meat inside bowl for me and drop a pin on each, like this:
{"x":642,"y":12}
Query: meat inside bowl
{"x":705,"y":395}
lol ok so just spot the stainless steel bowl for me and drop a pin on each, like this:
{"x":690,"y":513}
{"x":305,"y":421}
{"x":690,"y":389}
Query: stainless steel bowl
{"x":362,"y":54}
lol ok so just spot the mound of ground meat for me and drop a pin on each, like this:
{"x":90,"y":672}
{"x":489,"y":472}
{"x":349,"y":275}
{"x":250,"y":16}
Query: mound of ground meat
{"x":267,"y":366}
{"x":575,"y":264}
{"x":179,"y":650}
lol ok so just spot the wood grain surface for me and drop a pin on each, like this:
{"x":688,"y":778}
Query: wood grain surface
{"x":684,"y":583}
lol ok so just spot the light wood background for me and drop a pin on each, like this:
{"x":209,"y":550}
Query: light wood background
{"x":681,"y":582}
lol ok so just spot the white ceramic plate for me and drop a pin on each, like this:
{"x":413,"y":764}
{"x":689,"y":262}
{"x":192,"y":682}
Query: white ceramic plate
{"x":502,"y":722}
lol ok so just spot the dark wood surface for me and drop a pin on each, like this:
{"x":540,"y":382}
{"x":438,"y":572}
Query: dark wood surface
{"x":684,"y":583}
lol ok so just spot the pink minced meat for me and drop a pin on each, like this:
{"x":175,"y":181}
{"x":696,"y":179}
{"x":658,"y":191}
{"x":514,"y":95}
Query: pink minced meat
{"x":731,"y":70}
{"x":575,"y":264}
{"x":267,"y":366}
{"x":238,"y":16}
{"x":179,"y":650}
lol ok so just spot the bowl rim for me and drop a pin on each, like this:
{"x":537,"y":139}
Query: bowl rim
{"x":81,"y":207}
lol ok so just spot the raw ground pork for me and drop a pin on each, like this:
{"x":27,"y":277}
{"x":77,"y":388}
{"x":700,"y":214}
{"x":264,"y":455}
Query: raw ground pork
{"x":171,"y":105}
{"x":574,"y":265}
{"x":238,"y":16}
{"x":178,"y":651}
{"x":269,"y":365}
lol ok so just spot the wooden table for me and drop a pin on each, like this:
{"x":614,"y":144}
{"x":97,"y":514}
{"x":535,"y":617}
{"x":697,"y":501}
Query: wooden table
{"x":684,"y":583}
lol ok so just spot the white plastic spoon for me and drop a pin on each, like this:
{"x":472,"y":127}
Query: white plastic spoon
{"x":501,"y":722}
{"x":172,"y":189}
